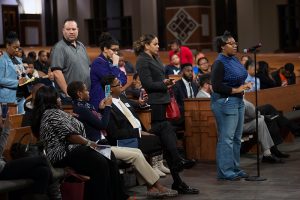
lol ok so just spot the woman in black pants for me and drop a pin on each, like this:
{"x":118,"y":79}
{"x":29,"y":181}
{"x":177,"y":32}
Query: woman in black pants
{"x":67,"y":146}
{"x":152,"y":76}
{"x":35,"y":168}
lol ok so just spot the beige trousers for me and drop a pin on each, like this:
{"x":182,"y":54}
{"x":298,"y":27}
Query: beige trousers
{"x":134,"y":156}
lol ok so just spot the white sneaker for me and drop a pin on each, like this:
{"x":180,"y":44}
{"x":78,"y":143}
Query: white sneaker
{"x":163,"y":168}
{"x":158,"y":172}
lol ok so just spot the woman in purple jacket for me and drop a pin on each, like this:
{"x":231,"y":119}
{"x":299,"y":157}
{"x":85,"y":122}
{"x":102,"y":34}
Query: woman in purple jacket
{"x":105,"y":64}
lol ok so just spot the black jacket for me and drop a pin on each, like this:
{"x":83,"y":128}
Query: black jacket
{"x":152,"y":73}
{"x":181,"y":93}
{"x":119,"y":126}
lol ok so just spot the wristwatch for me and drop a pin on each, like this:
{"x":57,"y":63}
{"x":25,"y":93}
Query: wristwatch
{"x":88,"y":143}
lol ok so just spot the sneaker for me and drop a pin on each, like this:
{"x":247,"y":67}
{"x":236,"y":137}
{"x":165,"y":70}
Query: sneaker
{"x":159,"y":173}
{"x":163,"y":168}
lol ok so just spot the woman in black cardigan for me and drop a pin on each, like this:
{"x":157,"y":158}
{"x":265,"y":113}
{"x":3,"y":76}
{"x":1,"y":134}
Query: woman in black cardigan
{"x":152,"y":76}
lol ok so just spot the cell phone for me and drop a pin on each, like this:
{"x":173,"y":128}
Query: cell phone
{"x":107,"y":90}
{"x":142,"y":92}
{"x":4,"y":110}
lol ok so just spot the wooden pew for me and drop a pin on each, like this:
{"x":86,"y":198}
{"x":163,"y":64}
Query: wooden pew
{"x":201,"y":133}
{"x":15,"y":135}
{"x":12,"y":108}
{"x":282,"y":98}
{"x":145,"y":118}
{"x":200,"y":129}
{"x":16,"y":120}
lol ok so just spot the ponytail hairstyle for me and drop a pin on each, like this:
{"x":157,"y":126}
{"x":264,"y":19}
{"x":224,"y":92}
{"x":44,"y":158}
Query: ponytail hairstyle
{"x":221,"y":40}
{"x":139,"y":45}
{"x":107,"y":40}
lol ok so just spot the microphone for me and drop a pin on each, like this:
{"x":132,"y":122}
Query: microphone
{"x":251,"y":49}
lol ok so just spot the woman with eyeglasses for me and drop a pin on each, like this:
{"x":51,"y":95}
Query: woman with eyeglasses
{"x":11,"y":69}
{"x":228,"y":83}
{"x":105,"y":64}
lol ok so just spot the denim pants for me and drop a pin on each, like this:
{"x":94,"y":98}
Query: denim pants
{"x":229,"y":115}
{"x":20,"y":105}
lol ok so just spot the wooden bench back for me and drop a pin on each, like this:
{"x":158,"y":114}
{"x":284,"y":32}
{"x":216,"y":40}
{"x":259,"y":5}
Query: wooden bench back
{"x":201,"y":133}
{"x":16,"y":120}
{"x":15,"y":135}
{"x":282,"y":98}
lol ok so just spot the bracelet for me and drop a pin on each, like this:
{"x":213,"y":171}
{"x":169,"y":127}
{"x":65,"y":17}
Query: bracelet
{"x":88,"y":143}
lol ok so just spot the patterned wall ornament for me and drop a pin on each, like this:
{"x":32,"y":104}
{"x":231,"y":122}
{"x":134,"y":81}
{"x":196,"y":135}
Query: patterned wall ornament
{"x":182,"y":25}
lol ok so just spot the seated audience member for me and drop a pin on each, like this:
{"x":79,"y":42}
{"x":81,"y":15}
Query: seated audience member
{"x":263,"y":134}
{"x":28,"y":105}
{"x":285,"y":75}
{"x":47,"y":79}
{"x":1,"y":53}
{"x":124,"y":65}
{"x":21,"y":54}
{"x":203,"y":66}
{"x":249,"y":65}
{"x":67,"y":146}
{"x":35,"y":168}
{"x":184,"y":88}
{"x":197,"y":57}
{"x":134,"y":90}
{"x":42,"y":64}
{"x":124,"y":123}
{"x":184,"y":53}
{"x":266,"y":80}
{"x":245,"y":58}
{"x":205,"y":86}
{"x":174,"y":67}
{"x":29,"y":67}
{"x":96,"y":124}
{"x":31,"y":55}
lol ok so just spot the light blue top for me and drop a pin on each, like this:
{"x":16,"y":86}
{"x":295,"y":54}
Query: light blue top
{"x":8,"y":79}
{"x":252,"y":80}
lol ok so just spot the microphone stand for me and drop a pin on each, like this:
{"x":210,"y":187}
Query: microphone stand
{"x":257,"y":177}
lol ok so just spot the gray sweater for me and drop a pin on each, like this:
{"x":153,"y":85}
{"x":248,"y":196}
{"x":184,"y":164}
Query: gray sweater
{"x":3,"y":138}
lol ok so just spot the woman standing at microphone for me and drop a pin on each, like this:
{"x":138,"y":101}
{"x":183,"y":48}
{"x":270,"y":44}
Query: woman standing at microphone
{"x":228,"y":82}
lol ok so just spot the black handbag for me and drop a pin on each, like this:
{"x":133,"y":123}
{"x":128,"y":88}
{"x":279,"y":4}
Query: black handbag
{"x":20,"y":150}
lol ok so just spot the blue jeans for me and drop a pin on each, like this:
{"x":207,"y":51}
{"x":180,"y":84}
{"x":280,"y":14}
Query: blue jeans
{"x":20,"y":105}
{"x":229,"y":114}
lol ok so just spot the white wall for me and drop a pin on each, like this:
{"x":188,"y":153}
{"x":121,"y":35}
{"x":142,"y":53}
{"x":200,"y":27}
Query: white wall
{"x":4,"y":2}
{"x":258,"y":22}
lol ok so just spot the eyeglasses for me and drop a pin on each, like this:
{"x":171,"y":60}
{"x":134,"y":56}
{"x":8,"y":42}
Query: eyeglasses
{"x":232,"y":43}
{"x":203,"y":63}
{"x":115,"y":50}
